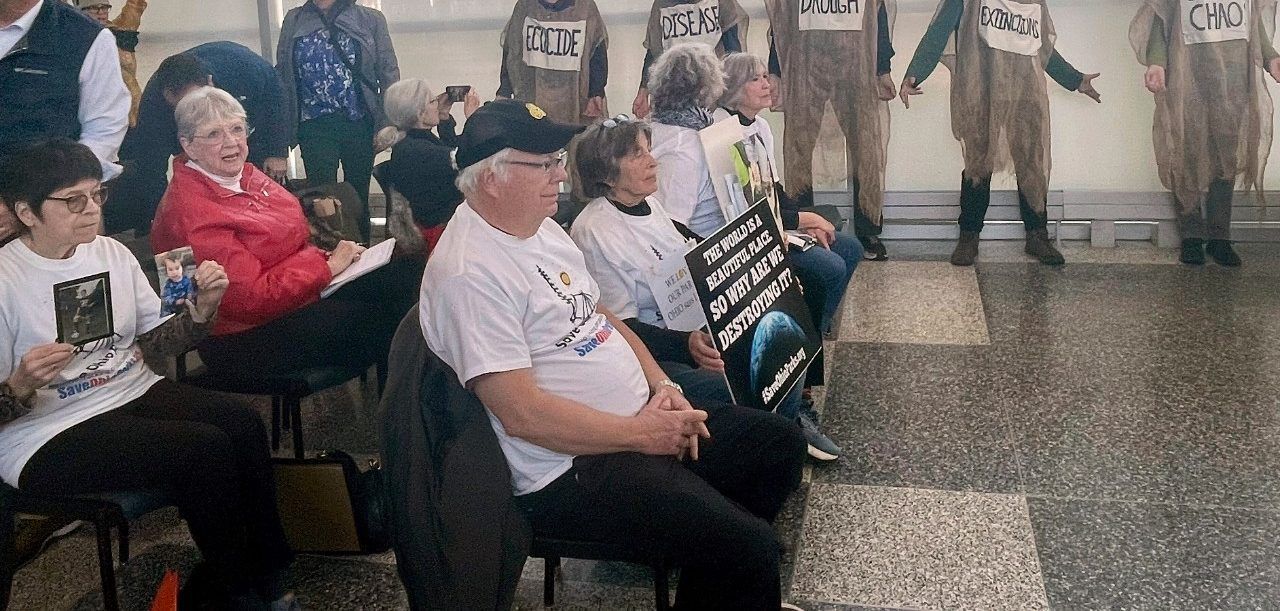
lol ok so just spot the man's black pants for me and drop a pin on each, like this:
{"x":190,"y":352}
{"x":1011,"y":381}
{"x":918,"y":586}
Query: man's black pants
{"x":712,"y":518}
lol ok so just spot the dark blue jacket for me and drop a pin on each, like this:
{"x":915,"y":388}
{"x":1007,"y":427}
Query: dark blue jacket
{"x":149,"y":145}
{"x":40,"y":77}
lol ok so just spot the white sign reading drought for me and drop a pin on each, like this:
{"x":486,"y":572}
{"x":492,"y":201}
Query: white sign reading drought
{"x":554,"y":45}
{"x":1011,"y":26}
{"x":837,"y":15}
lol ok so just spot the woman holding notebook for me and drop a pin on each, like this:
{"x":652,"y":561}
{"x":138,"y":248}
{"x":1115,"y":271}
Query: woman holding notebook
{"x":273,"y":318}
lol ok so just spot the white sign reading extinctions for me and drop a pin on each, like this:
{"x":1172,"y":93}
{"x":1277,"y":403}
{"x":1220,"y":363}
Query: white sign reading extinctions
{"x":1011,"y":26}
{"x":838,"y":15}
{"x":1214,"y":20}
{"x":554,"y":45}
{"x":691,"y":23}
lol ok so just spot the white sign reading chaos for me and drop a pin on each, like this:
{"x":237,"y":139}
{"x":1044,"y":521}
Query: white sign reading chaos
{"x":1011,"y":26}
{"x":838,"y":15}
{"x":691,"y":23}
{"x":1214,"y":21}
{"x":554,"y":45}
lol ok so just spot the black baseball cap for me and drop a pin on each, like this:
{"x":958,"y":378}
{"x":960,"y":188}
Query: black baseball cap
{"x":502,"y":124}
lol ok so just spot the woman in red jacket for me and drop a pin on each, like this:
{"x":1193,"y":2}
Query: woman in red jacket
{"x":272,"y":318}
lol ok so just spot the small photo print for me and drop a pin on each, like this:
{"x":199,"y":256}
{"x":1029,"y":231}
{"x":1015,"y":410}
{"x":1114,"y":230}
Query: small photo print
{"x":176,"y":270}
{"x":84,"y":309}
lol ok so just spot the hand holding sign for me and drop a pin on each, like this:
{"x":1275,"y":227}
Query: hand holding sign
{"x":1154,"y":79}
{"x":704,"y":353}
{"x":1086,"y":87}
{"x":908,"y":89}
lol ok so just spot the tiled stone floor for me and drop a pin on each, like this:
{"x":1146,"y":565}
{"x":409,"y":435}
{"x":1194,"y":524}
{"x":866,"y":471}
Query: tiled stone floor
{"x":1101,"y":436}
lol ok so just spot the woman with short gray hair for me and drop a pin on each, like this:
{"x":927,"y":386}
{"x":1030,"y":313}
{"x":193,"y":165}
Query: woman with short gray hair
{"x":685,"y":84}
{"x":422,"y":137}
{"x":227,"y":210}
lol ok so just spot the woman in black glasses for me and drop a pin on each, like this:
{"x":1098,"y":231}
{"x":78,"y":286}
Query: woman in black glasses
{"x":80,"y":411}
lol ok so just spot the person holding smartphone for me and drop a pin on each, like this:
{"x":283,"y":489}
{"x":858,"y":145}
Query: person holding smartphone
{"x":422,"y":137}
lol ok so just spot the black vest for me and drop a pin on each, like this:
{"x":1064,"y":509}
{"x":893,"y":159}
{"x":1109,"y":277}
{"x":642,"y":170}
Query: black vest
{"x":40,"y":77}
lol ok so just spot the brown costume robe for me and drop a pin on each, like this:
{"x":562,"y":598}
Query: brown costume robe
{"x":1213,"y":121}
{"x":826,"y":58}
{"x":549,"y":56}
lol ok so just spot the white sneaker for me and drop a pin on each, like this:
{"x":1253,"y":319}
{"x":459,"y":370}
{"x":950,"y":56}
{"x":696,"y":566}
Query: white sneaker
{"x":791,"y":607}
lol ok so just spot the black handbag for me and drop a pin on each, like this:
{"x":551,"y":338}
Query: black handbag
{"x":328,"y":506}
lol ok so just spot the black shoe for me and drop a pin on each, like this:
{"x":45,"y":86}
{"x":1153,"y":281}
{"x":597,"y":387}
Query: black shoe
{"x":966,"y":249}
{"x":1192,"y":251}
{"x":873,"y":249}
{"x":1039,"y":246}
{"x":1223,"y":254}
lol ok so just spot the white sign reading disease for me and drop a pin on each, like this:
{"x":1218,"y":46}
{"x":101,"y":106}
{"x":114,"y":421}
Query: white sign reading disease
{"x":554,"y":45}
{"x":1011,"y":26}
{"x":676,"y":294}
{"x":839,"y":15}
{"x":1214,"y":21}
{"x":691,"y":23}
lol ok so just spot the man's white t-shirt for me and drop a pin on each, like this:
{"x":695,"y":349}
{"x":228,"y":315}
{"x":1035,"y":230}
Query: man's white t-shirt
{"x":622,"y":252}
{"x":107,"y":375}
{"x":492,"y":302}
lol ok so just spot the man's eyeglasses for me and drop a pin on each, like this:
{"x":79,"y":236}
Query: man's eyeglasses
{"x":549,"y":166}
{"x":238,"y":132}
{"x":616,"y":121}
{"x":78,"y":202}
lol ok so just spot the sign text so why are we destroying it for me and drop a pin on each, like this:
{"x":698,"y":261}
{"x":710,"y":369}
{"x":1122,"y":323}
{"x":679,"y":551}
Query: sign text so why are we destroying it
{"x":754,"y":307}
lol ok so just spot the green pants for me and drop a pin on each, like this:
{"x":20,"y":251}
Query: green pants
{"x":334,"y":139}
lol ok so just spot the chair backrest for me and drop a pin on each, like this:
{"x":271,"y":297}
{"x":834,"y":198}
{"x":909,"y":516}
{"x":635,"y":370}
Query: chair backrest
{"x":400,"y":223}
{"x":460,"y":542}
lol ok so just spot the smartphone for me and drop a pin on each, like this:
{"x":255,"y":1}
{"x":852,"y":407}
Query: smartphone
{"x":457,"y":93}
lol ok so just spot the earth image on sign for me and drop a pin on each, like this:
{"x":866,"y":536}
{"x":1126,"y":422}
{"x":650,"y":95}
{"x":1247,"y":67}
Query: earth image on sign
{"x":778,"y":337}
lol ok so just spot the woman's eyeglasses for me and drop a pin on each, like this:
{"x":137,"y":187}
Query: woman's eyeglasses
{"x":238,"y":132}
{"x":78,"y":202}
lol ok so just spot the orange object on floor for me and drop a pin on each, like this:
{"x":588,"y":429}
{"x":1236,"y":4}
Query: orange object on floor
{"x":167,"y":596}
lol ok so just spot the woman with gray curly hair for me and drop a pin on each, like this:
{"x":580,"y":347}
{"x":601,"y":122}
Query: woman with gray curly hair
{"x":685,"y":83}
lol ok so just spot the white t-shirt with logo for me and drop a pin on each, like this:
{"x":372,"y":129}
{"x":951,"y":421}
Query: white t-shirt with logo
{"x":623,"y":250}
{"x":492,"y":302}
{"x":107,"y":375}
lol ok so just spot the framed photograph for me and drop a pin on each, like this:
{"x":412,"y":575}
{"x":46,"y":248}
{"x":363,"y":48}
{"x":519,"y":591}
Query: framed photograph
{"x":176,"y":270}
{"x":83,"y":309}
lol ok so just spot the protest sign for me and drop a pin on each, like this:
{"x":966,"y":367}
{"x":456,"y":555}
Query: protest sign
{"x":754,"y":308}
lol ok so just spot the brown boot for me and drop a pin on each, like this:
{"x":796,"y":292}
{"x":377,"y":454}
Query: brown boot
{"x":1039,"y":246}
{"x":966,"y":249}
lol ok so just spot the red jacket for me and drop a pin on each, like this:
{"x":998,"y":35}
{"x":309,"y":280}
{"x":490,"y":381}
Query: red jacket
{"x":259,"y":236}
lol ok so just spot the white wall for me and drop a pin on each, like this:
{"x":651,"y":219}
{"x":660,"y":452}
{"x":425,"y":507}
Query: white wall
{"x":1096,"y":147}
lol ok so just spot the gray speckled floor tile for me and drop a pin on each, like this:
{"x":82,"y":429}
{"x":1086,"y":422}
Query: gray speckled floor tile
{"x":911,"y":548}
{"x":920,"y":416}
{"x":914,"y":303}
{"x":1106,"y":555}
{"x":1075,"y":252}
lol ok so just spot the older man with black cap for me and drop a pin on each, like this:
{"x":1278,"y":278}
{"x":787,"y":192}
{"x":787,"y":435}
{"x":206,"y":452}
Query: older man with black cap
{"x":602,"y":446}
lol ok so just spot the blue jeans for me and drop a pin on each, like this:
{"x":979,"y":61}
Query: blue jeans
{"x":706,"y":385}
{"x":824,"y":274}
